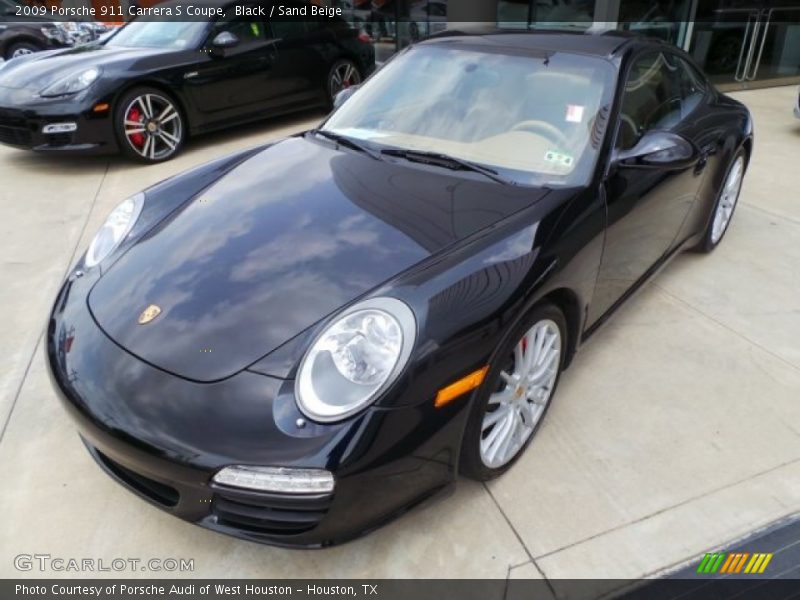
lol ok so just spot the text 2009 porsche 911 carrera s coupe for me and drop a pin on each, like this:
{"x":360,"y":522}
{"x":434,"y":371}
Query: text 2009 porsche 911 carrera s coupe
{"x":297,"y":342}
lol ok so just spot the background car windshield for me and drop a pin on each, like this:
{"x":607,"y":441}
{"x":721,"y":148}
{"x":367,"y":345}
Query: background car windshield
{"x":156,"y":34}
{"x":538,"y":118}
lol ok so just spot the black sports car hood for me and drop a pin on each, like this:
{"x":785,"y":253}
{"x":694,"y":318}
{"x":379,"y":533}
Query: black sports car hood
{"x":38,"y":70}
{"x":279,"y":242}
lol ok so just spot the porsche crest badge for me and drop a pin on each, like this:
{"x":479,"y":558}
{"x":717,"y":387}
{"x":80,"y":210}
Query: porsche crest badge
{"x":149,"y":313}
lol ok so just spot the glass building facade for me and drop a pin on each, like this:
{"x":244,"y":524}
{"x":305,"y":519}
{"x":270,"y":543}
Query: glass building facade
{"x":739,"y":43}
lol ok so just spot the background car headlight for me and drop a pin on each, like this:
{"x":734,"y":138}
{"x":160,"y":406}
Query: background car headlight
{"x":118,"y":225}
{"x":355,"y":358}
{"x":76,"y":82}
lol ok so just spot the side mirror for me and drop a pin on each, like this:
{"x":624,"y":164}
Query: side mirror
{"x":222,"y":42}
{"x":658,"y":149}
{"x":343,"y":95}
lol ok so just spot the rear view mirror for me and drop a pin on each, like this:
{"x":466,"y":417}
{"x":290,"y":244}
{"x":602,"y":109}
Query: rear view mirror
{"x":343,"y":95}
{"x":658,"y":149}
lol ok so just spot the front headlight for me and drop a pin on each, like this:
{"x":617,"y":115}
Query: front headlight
{"x":118,"y":225}
{"x":355,"y":358}
{"x":75,"y":82}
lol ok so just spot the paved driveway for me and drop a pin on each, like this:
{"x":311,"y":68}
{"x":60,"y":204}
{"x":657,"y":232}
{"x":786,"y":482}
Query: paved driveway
{"x":677,"y":429}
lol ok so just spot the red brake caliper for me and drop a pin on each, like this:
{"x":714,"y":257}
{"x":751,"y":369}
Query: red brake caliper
{"x":134,"y":114}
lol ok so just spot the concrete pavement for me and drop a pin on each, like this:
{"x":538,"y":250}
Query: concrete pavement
{"x":676,"y":430}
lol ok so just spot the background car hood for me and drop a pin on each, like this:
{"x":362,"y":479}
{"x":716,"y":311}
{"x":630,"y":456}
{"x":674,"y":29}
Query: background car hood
{"x":282,"y":240}
{"x":38,"y":70}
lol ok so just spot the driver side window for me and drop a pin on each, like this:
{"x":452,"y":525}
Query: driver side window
{"x":652,"y":98}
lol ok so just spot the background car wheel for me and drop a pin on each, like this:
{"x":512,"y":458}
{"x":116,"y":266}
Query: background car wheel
{"x":513,"y":399}
{"x":725,"y":205}
{"x":343,"y":74}
{"x":149,"y":125}
{"x":21,"y":49}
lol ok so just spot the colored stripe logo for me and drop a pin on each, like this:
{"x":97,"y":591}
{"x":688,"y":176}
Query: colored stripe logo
{"x":734,"y":562}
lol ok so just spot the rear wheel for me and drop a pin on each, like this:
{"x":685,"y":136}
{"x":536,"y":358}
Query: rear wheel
{"x":725,"y":205}
{"x":149,"y":125}
{"x":512,"y":402}
{"x":343,"y":74}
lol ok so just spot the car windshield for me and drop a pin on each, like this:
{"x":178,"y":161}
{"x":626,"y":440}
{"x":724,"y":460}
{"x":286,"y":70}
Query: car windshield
{"x":537,"y":118}
{"x":160,"y":34}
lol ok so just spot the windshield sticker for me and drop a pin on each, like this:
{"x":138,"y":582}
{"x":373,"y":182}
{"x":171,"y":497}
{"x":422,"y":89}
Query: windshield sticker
{"x":560,"y":158}
{"x":574,"y":113}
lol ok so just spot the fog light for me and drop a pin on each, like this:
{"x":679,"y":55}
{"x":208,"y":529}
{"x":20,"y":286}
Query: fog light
{"x":60,"y":128}
{"x":277,"y":479}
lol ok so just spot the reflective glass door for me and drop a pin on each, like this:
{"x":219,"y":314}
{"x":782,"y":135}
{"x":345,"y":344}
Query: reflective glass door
{"x":747,"y":43}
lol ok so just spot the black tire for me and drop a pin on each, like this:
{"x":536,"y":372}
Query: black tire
{"x":472,"y":464}
{"x":708,"y":243}
{"x":169,"y":135}
{"x":21,"y":48}
{"x":342,"y":74}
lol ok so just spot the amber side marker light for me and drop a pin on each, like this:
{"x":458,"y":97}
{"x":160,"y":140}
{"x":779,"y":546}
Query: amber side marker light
{"x":101,"y":107}
{"x":462,"y":386}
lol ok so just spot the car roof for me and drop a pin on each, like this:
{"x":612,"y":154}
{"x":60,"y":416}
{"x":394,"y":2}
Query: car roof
{"x":604,"y":43}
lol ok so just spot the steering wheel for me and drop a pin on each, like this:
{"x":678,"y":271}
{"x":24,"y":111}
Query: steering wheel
{"x":551,"y":132}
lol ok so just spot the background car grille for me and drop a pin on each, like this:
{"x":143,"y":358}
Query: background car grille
{"x":15,"y":135}
{"x":279,"y":514}
{"x":158,"y":492}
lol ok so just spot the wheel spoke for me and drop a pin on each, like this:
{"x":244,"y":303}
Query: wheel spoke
{"x":165,"y":138}
{"x":497,"y":435}
{"x":502,"y":396}
{"x":130,"y":132}
{"x":493,"y":417}
{"x":147,"y":144}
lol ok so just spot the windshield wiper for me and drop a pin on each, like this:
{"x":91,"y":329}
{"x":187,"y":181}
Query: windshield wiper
{"x":448,"y":162}
{"x":349,"y":142}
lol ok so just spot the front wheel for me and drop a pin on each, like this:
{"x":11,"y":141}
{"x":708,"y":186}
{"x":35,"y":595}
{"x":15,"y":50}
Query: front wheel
{"x":149,"y":125}
{"x":513,"y":399}
{"x":21,"y":49}
{"x":725,"y":205}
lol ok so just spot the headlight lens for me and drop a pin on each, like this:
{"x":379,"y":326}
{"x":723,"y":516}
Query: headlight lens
{"x":76,"y":82}
{"x":355,"y":358}
{"x":118,"y":225}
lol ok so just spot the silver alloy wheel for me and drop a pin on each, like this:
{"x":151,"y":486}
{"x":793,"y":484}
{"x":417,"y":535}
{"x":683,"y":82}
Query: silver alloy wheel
{"x":343,"y":76}
{"x":513,"y":412}
{"x":152,"y":126}
{"x":21,"y":52}
{"x":727,"y":200}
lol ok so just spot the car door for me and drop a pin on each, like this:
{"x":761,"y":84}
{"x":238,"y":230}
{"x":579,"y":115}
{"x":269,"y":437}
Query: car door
{"x":234,"y":82}
{"x":304,"y":50}
{"x":646,"y":206}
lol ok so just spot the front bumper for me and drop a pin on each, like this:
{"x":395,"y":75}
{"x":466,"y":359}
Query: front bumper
{"x":164,"y":438}
{"x":23,"y":117}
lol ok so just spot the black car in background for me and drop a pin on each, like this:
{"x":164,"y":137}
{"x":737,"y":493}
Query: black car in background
{"x":22,"y":34}
{"x":149,"y":86}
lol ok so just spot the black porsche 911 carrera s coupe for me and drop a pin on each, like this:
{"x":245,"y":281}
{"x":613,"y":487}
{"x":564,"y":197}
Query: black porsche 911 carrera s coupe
{"x":152,"y":84}
{"x":297,"y":342}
